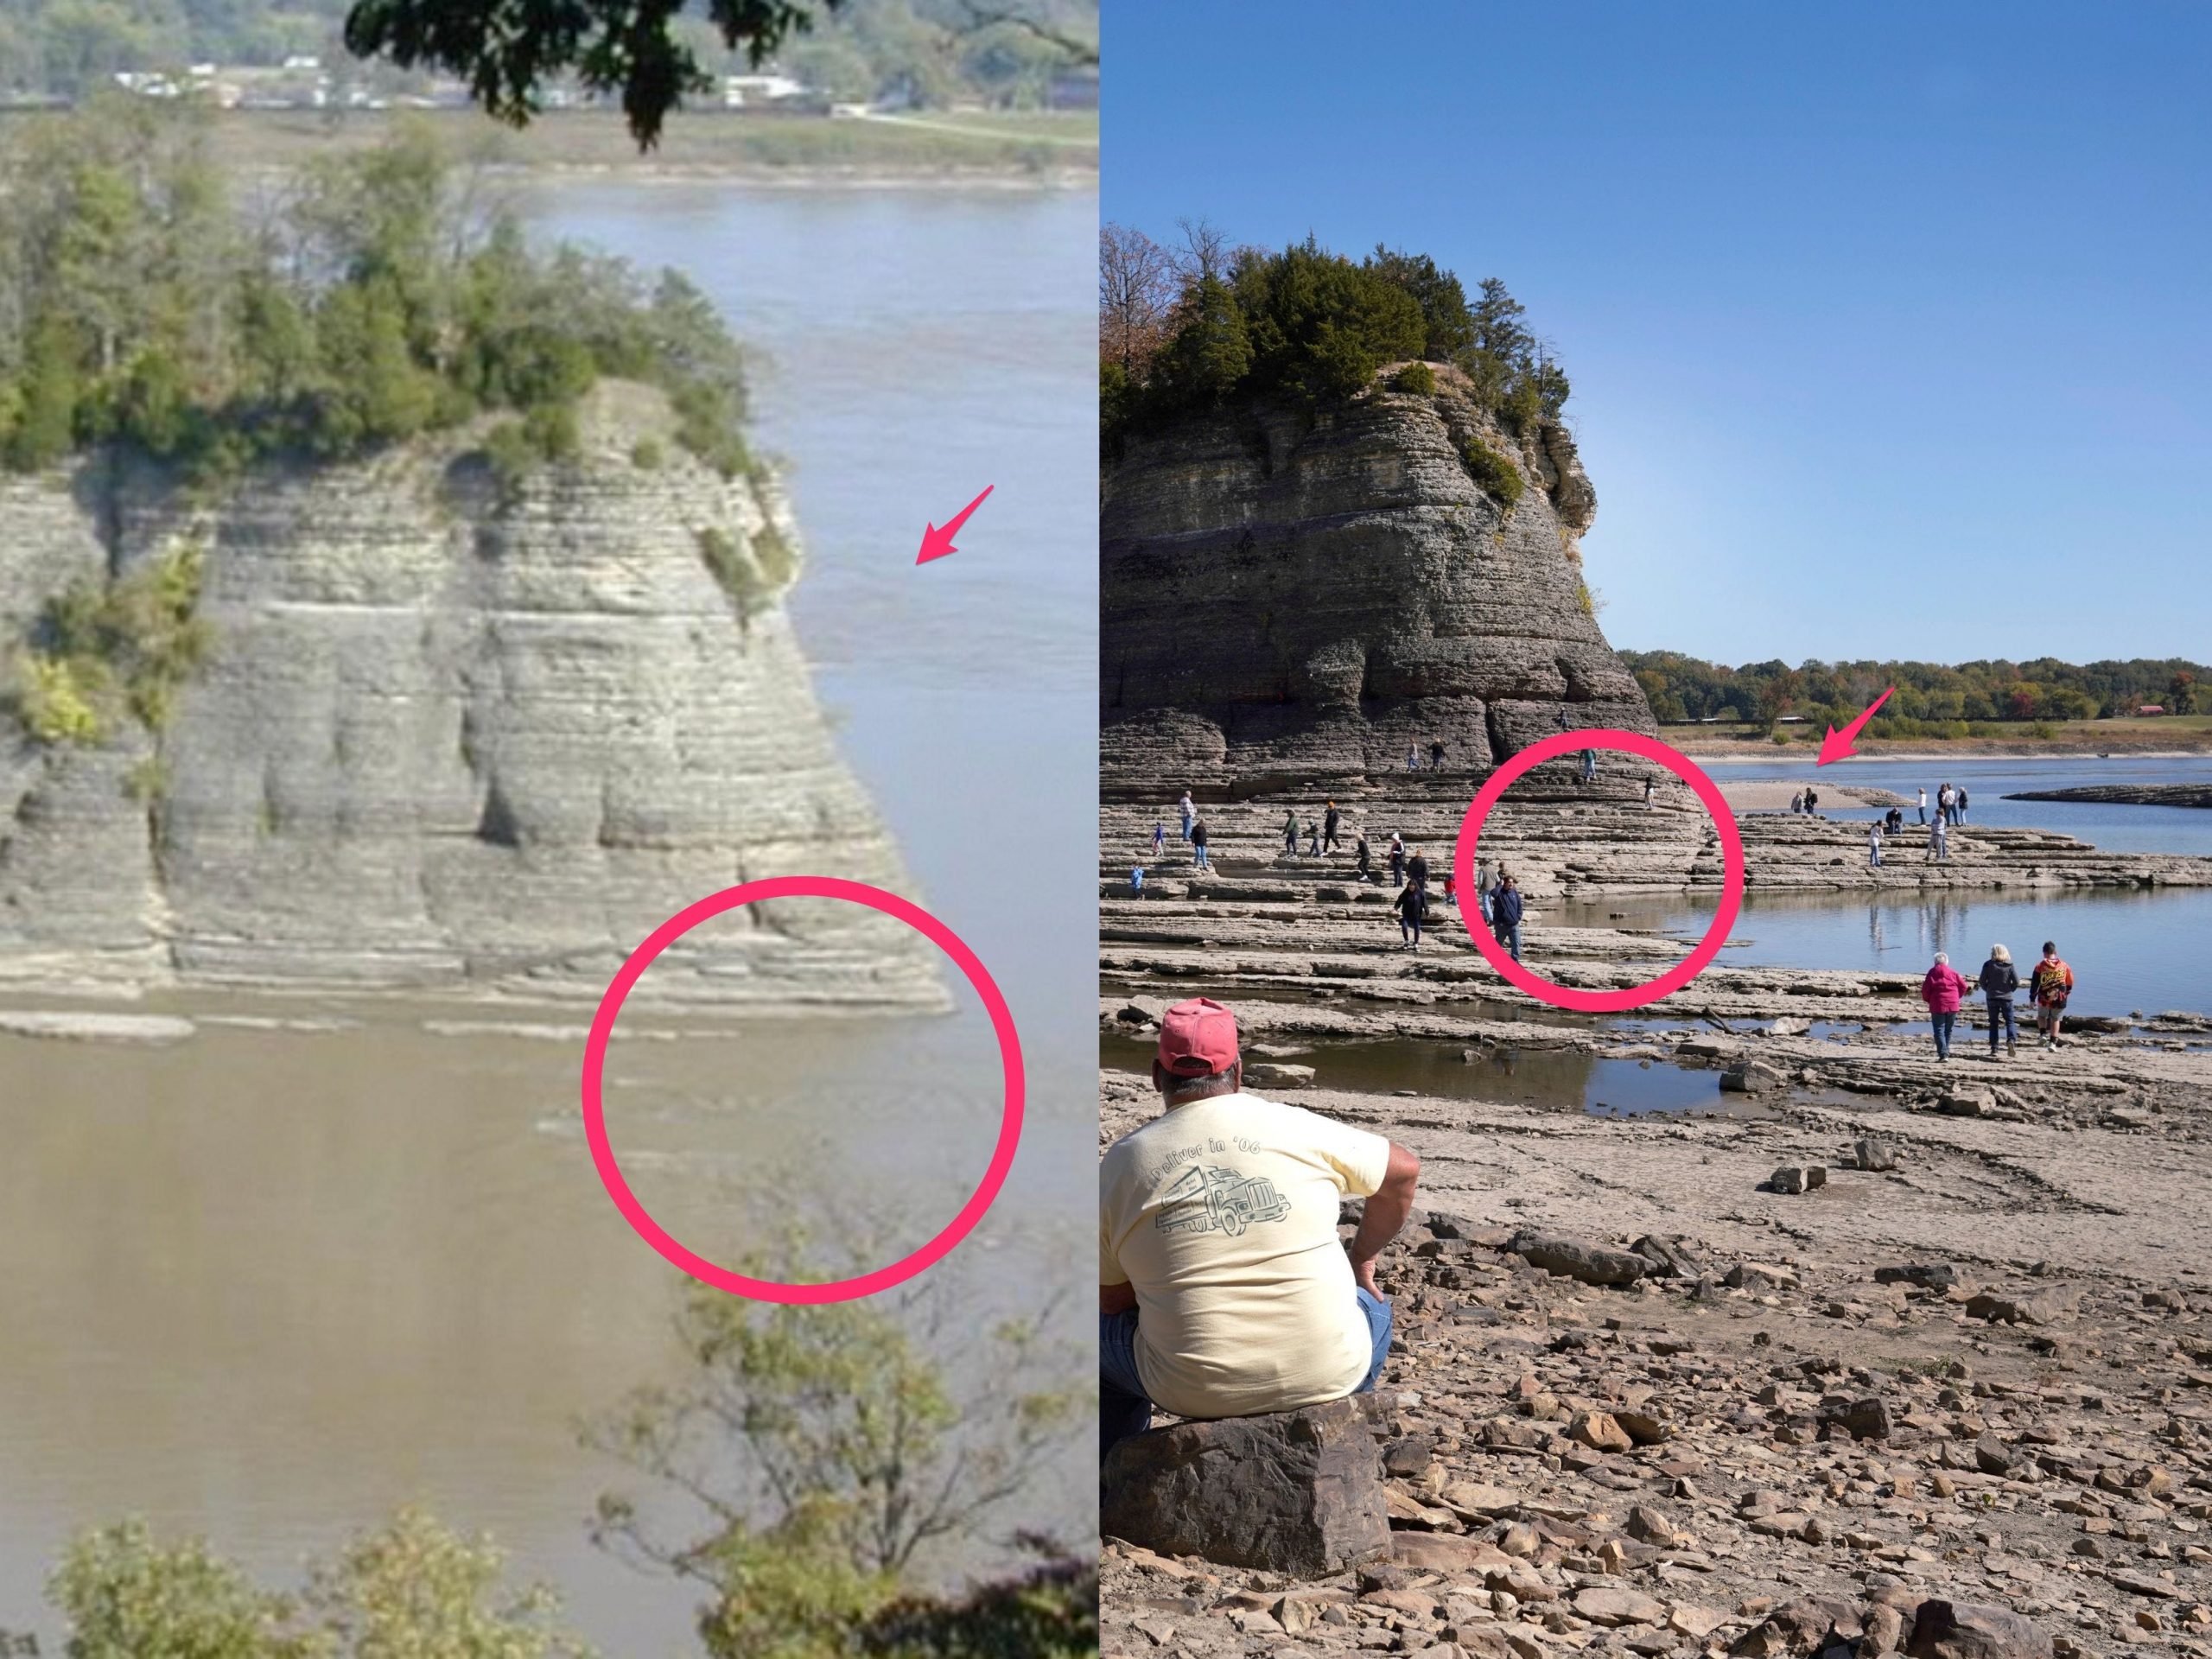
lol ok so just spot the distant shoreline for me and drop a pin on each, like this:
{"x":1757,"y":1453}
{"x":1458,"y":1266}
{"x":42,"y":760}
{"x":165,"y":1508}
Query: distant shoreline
{"x":2168,"y":746}
{"x":1030,"y":152}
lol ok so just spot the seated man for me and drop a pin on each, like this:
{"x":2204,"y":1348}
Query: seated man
{"x":1223,"y":1288}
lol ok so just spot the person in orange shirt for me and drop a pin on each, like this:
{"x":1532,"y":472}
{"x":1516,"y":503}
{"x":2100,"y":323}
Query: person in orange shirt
{"x":2050,"y":984}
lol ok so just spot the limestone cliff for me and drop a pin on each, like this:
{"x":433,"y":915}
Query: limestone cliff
{"x":448,"y":732}
{"x":1292,"y":597}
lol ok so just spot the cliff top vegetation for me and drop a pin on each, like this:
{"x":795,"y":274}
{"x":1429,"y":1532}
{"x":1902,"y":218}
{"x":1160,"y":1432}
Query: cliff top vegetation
{"x":371,"y":297}
{"x":1193,"y":326}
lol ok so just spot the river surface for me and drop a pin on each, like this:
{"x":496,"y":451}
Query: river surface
{"x":2109,"y":825}
{"x":269,"y":1283}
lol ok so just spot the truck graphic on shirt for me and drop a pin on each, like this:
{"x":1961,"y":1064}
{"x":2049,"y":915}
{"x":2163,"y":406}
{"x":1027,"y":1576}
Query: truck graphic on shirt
{"x":1206,"y":1199}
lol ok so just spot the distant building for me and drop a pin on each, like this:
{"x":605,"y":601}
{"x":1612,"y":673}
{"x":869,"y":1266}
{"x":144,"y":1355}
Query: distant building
{"x":2151,"y":709}
{"x":740,"y":90}
{"x":301,"y":61}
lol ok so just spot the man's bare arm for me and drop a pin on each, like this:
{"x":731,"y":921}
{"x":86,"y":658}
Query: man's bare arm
{"x":1384,"y":1214}
{"x":1117,"y":1299}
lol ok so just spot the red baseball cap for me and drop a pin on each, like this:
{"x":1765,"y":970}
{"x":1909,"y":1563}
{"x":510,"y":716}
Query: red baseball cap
{"x":1197,"y":1037}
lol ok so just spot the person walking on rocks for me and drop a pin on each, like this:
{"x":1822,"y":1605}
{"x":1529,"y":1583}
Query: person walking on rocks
{"x":1797,"y":802}
{"x":1589,"y":766}
{"x":1359,"y":855}
{"x":1411,"y":907}
{"x":1436,"y":757}
{"x":1812,"y":800}
{"x":1924,"y":802}
{"x":1290,"y":831}
{"x":2000,"y":983}
{"x":1506,"y":911}
{"x":1190,"y":813}
{"x":1417,"y":870}
{"x":1874,"y":847}
{"x":1198,"y":845}
{"x":1413,"y":758}
{"x":1939,"y":841}
{"x":1136,"y":880}
{"x":1330,"y":819}
{"x":1159,"y":838}
{"x":1312,"y":839}
{"x":1451,"y":889}
{"x":1485,"y":882}
{"x":1397,"y":860}
{"x":1943,"y":803}
{"x":2051,"y":983}
{"x":1646,"y":794}
{"x":1958,"y":806}
{"x":1941,"y":991}
{"x":1223,"y":1291}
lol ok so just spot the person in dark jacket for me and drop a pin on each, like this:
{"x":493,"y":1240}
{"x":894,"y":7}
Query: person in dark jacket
{"x":1436,"y":757}
{"x":2000,"y":983}
{"x":1290,"y":831}
{"x":1397,"y":861}
{"x":1417,"y":870}
{"x":1413,"y":905}
{"x":1360,"y":854}
{"x":1330,"y":819}
{"x":1198,"y":845}
{"x":1506,"y":911}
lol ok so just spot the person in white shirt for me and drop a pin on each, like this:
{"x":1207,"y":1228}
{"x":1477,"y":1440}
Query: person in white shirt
{"x":1224,"y":1290}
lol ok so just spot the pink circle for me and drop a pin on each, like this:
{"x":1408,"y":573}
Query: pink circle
{"x":804,"y":887}
{"x":1732,"y":871}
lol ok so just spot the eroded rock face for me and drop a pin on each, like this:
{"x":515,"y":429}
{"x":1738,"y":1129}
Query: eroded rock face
{"x":1293,"y":598}
{"x":441,"y":737}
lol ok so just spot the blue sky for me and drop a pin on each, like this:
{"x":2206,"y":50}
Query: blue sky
{"x":1889,"y":326}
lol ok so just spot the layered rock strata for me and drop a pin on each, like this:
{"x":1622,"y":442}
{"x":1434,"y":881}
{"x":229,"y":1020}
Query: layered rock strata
{"x":450,"y":732}
{"x":1298,"y":597}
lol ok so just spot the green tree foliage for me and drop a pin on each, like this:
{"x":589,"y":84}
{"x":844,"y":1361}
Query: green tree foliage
{"x":1048,"y":1613}
{"x":105,"y":650}
{"x":1493,"y":474}
{"x":414,"y":1590}
{"x":1178,"y":331}
{"x":138,"y":308}
{"x":1416,"y":378}
{"x":829,"y":1452}
{"x":1930,"y":699}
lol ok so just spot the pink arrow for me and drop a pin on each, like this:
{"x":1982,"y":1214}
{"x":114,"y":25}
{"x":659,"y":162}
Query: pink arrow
{"x":936,"y":543}
{"x":1836,"y":745}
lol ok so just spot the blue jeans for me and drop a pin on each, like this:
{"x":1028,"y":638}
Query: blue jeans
{"x":1508,"y":935}
{"x":1198,"y":859}
{"x":1944,"y":1023}
{"x":2000,"y":1013}
{"x":1125,"y":1409}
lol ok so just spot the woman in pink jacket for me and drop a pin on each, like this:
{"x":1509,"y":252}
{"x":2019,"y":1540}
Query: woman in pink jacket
{"x":1941,"y":991}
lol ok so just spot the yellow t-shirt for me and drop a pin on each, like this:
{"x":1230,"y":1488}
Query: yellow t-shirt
{"x":1223,"y":1214}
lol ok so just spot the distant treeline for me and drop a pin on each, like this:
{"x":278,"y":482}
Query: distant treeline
{"x":1930,"y":696}
{"x":918,"y":52}
{"x":1190,"y":326}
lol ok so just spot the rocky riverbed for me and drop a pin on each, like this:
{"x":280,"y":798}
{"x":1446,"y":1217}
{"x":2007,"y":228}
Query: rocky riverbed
{"x":1890,"y":1336}
{"x":2125,"y":794}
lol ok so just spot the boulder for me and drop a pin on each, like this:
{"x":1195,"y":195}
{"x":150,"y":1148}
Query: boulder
{"x":1963,"y":1629}
{"x":1927,"y":1275}
{"x":1869,"y":1153}
{"x":1671,"y":1257}
{"x":1600,"y":1431}
{"x":1280,"y":1075}
{"x":1578,"y":1258}
{"x":1800,"y":1627}
{"x":1864,"y":1419}
{"x":1608,"y":1604}
{"x":1798,"y":1178}
{"x":1296,"y":1492}
{"x":1750,"y":1077}
{"x":2024,"y":1307}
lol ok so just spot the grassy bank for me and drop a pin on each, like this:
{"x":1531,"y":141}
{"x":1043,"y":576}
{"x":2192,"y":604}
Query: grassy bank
{"x":1023,"y":147}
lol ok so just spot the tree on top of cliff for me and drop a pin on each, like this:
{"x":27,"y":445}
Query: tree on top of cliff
{"x":380,"y":301}
{"x":1179,"y":332}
